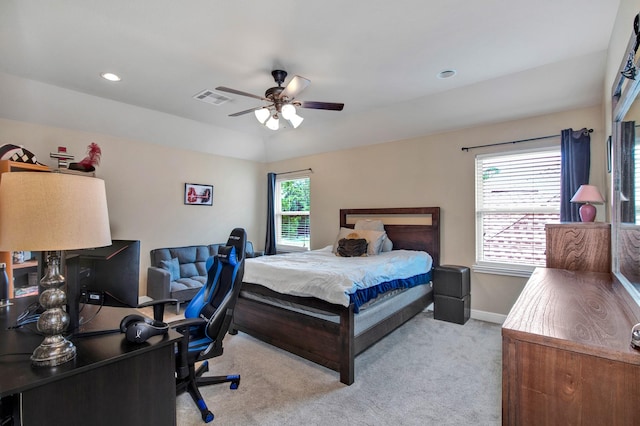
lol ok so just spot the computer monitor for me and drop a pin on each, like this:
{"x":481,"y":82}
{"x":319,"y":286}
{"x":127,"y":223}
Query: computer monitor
{"x":106,"y":276}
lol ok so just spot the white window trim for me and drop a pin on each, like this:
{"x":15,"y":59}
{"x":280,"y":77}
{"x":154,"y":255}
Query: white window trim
{"x":284,"y":248}
{"x":512,"y":270}
{"x":495,"y":268}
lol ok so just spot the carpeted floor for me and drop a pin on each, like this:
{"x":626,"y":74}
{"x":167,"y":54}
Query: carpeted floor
{"x":427,"y":372}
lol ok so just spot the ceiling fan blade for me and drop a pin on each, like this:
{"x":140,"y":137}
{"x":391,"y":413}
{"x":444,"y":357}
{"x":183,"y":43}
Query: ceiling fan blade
{"x":295,"y":86}
{"x":321,"y":105}
{"x":235,"y":114}
{"x":238,"y":92}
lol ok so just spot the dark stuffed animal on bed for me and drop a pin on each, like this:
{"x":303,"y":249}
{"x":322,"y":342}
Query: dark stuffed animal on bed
{"x":352,"y":246}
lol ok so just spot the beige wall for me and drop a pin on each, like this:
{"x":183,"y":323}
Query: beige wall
{"x":622,"y":30}
{"x":145,"y":184}
{"x":434,"y":171}
{"x":145,"y":181}
{"x":145,"y":188}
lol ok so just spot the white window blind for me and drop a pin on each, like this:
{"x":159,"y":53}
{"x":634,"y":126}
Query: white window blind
{"x":516,"y":195}
{"x":293,"y":208}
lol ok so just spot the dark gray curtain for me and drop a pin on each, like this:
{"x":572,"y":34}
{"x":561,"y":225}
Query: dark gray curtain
{"x":270,"y":241}
{"x":575,"y":148}
{"x":627,"y":171}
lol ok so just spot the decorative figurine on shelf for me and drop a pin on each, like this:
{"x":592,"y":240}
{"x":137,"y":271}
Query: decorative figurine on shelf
{"x":89,"y":163}
{"x":17,"y":153}
{"x":62,"y":156}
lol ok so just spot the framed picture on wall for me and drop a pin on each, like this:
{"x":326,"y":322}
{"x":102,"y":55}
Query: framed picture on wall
{"x":198,"y":195}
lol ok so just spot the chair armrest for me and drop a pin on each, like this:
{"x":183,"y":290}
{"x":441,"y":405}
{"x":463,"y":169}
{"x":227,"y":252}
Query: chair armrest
{"x":158,"y":307}
{"x":158,"y":283}
{"x":187,"y":322}
{"x":182,"y":326}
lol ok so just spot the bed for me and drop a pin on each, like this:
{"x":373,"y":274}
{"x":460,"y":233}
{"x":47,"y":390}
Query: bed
{"x":331,"y":334}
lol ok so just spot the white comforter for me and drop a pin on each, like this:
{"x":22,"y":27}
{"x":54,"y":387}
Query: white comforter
{"x":322,"y":274}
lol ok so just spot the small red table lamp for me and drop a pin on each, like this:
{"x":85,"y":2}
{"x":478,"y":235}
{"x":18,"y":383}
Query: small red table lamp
{"x":589,"y":195}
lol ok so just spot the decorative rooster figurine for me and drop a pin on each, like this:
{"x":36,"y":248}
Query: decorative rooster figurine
{"x":89,"y":163}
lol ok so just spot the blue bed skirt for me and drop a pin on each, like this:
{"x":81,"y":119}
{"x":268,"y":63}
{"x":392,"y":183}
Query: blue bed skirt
{"x":362,"y":296}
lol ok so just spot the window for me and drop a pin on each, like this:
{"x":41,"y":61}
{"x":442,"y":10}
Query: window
{"x":293,"y":206}
{"x":516,"y":195}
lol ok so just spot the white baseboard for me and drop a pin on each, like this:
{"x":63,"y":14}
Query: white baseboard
{"x":488,"y":316}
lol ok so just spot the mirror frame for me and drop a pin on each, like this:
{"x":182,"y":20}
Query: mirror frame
{"x":624,"y":92}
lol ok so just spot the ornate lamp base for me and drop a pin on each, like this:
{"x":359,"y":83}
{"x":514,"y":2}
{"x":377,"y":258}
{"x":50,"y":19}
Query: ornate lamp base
{"x":54,"y":349}
{"x":587,"y":212}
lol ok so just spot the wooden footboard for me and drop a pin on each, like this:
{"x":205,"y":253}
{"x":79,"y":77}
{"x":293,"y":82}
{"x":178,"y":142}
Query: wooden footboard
{"x":324,"y":342}
{"x":329,"y":343}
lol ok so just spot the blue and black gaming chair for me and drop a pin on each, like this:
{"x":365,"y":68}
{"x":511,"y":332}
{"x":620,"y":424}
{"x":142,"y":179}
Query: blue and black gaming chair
{"x":207,"y":320}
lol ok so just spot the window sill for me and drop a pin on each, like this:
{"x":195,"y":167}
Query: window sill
{"x":523,"y":271}
{"x":290,"y":249}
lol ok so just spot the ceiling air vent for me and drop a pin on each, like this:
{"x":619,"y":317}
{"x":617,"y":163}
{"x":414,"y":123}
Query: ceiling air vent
{"x":211,"y":97}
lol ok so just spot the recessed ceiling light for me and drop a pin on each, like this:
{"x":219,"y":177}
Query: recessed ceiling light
{"x":110,"y":76}
{"x":446,"y":74}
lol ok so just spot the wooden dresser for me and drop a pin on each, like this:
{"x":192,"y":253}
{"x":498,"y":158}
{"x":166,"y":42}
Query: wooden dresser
{"x":566,"y":354}
{"x":579,"y":246}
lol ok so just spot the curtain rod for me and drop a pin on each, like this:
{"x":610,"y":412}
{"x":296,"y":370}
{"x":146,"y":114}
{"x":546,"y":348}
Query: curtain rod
{"x":467,"y":148}
{"x":295,"y":171}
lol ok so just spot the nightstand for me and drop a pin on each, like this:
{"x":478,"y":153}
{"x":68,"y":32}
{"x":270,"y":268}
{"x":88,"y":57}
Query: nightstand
{"x":452,"y":293}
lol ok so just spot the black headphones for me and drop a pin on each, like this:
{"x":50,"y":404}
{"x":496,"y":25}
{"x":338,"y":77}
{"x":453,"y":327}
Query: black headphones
{"x":138,"y":328}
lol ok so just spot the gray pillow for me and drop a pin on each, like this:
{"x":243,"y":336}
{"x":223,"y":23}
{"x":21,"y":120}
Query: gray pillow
{"x":387,"y":245}
{"x":173,"y":266}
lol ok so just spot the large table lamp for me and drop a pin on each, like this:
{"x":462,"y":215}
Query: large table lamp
{"x":52,"y":212}
{"x":589,"y":195}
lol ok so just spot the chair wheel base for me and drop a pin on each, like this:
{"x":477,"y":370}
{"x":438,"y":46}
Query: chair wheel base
{"x":207,"y":417}
{"x":235,"y":381}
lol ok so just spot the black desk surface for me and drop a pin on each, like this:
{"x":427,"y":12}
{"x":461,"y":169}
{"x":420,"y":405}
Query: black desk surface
{"x":16,"y":345}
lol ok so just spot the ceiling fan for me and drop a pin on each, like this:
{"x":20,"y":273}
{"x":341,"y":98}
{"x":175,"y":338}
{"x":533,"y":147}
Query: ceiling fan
{"x":282,"y":101}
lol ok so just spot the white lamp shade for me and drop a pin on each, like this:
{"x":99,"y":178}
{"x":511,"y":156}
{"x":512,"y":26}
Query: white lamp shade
{"x":295,"y":120}
{"x":42,"y":211}
{"x":262,"y":114}
{"x":273,"y":123}
{"x":588,"y":194}
{"x":287,"y":111}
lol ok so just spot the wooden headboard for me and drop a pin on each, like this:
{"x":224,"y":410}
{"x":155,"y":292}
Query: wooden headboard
{"x":409,"y":228}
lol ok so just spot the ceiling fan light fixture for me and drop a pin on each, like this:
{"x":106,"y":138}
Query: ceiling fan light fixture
{"x":295,"y":120}
{"x":288,"y":111}
{"x":273,"y":123}
{"x":262,"y":115}
{"x":282,"y":101}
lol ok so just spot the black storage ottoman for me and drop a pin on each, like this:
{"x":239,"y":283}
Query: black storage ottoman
{"x":452,"y":293}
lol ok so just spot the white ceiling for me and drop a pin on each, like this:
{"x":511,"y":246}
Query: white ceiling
{"x":514,"y":58}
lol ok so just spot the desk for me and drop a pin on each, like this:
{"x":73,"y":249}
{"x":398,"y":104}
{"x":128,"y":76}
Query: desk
{"x":111,"y":381}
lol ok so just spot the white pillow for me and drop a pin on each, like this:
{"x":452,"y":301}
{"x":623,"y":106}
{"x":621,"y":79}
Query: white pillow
{"x":369,"y":224}
{"x":375,"y":225}
{"x":387,"y":245}
{"x":375,"y":239}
